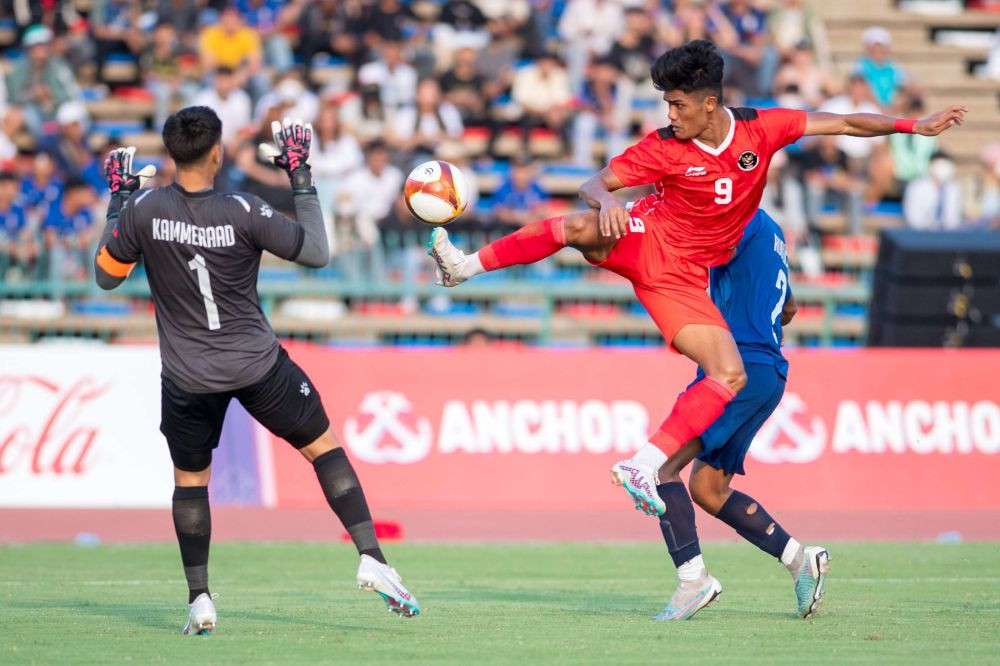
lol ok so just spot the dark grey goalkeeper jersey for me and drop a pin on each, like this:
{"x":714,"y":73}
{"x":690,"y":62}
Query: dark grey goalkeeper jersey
{"x":202,"y":254}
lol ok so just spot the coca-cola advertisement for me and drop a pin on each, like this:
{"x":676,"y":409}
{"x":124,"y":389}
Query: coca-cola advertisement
{"x":79,"y":427}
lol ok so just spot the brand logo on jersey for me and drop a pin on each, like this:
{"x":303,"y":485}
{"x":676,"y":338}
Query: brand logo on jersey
{"x":387,"y":430}
{"x":304,"y":389}
{"x":748,"y":160}
{"x":266,"y":211}
{"x":695,"y":171}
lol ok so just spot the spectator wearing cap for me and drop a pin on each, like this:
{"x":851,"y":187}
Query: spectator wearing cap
{"x":395,"y":78}
{"x":605,"y":108}
{"x":68,"y":146}
{"x":114,"y":24}
{"x":884,"y":75}
{"x":520,"y":199}
{"x":418,"y":130}
{"x":230,"y":103}
{"x":18,"y":247}
{"x":589,"y":28}
{"x":231,"y":43}
{"x":42,"y":81}
{"x":68,"y":231}
{"x":802,"y":75}
{"x":934,"y":202}
{"x":542,"y":90}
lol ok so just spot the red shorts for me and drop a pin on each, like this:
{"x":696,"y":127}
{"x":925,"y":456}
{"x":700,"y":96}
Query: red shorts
{"x":673,"y":289}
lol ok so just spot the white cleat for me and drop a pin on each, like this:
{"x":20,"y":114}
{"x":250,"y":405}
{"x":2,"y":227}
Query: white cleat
{"x":201,"y":616}
{"x":810,"y":583}
{"x":639,"y":482}
{"x":689,"y":598}
{"x":451,"y":262}
{"x":383,"y":579}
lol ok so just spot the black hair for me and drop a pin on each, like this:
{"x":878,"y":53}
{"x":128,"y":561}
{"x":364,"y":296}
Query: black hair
{"x":695,"y":67}
{"x":7,"y":177}
{"x":75,"y":183}
{"x":190,"y":133}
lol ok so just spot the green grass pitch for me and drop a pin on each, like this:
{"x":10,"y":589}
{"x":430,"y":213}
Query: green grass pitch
{"x":287,"y":603}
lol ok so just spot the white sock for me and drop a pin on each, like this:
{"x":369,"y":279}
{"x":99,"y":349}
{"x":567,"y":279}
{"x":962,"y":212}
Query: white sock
{"x":650,"y":456}
{"x":473,"y":266}
{"x":790,"y":551}
{"x":691,"y":570}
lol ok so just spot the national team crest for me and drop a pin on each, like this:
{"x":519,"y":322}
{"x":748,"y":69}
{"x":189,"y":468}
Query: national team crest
{"x":748,"y":160}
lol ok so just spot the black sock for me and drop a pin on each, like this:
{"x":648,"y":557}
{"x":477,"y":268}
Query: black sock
{"x":753,"y":523}
{"x":677,"y":524}
{"x":344,"y":494}
{"x":193,"y":524}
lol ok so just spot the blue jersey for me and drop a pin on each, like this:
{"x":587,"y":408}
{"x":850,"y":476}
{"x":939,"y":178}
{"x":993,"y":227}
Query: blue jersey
{"x":750,"y":291}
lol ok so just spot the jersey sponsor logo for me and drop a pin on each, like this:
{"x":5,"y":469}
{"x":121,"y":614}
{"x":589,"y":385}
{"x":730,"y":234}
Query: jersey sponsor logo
{"x":176,"y":231}
{"x":696,"y":171}
{"x":748,"y":160}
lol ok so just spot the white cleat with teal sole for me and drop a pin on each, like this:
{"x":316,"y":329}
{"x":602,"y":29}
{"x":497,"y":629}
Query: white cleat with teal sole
{"x":639,"y":482}
{"x":383,"y":580}
{"x":451,"y":262}
{"x":810,"y":583}
{"x":201,"y":616}
{"x":689,"y":598}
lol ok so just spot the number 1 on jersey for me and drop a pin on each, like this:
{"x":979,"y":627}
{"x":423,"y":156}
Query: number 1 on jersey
{"x":724,"y":188}
{"x":205,"y":286}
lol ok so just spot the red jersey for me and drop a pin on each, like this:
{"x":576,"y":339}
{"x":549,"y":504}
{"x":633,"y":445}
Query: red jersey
{"x":706,"y":196}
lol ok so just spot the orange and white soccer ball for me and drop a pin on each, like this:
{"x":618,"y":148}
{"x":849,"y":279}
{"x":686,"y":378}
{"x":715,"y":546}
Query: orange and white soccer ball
{"x":436,"y":192}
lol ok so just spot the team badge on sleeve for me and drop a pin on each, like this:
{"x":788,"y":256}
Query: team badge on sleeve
{"x":748,"y":160}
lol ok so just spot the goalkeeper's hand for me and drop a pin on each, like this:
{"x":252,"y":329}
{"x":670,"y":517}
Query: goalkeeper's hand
{"x":118,"y":172}
{"x":291,"y":152}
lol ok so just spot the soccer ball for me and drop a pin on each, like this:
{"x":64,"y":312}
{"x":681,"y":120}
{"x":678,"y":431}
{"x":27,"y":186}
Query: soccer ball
{"x":436,"y":192}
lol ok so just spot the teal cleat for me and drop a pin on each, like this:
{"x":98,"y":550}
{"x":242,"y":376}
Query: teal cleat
{"x":810,"y":584}
{"x":384,"y":581}
{"x":639,"y":482}
{"x":689,"y":598}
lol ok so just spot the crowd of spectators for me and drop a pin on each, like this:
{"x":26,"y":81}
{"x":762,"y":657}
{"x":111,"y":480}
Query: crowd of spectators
{"x":388,"y":84}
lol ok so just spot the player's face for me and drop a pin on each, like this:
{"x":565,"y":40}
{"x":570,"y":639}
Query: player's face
{"x":689,"y":112}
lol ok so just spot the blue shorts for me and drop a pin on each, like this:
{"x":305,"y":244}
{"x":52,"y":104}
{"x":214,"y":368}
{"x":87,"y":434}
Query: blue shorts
{"x":725,"y":443}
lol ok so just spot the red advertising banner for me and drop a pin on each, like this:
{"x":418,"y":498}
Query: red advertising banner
{"x":518,"y":429}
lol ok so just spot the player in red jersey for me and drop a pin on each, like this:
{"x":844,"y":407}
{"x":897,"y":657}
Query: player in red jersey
{"x":709,"y":168}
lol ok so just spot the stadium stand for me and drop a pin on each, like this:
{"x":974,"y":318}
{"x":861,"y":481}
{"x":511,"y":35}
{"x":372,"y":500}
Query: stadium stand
{"x":528,"y":98}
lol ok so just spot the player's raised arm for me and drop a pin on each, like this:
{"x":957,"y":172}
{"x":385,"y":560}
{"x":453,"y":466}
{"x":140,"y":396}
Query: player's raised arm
{"x":874,"y":124}
{"x":290,"y":151}
{"x":117,"y":251}
{"x":596,"y":191}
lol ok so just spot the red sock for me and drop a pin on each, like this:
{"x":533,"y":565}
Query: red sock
{"x":695,"y":410}
{"x":532,"y":242}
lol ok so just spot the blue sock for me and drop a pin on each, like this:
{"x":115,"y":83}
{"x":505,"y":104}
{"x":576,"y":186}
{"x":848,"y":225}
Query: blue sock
{"x":677,"y":524}
{"x":753,"y":523}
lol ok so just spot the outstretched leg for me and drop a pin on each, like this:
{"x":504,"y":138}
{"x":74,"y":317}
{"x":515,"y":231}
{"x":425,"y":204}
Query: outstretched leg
{"x":345,"y":496}
{"x":807,"y":565}
{"x":529,"y":244}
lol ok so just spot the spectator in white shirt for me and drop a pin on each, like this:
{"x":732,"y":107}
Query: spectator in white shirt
{"x":856,"y":99}
{"x":230,"y":103}
{"x":934,"y":202}
{"x":418,"y":130}
{"x":590,"y":28}
{"x":396,"y":79}
{"x":366,"y":198}
{"x":543,"y":92}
